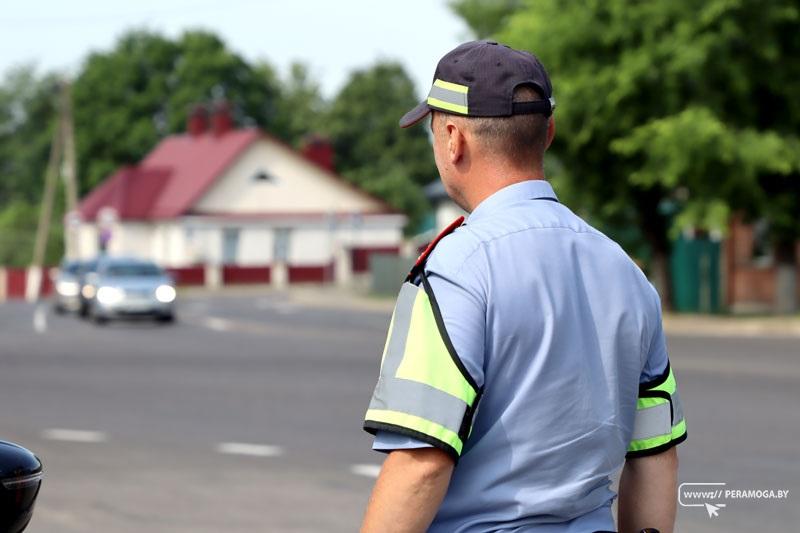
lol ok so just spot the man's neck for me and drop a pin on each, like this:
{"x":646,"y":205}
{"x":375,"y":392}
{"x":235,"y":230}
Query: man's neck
{"x":483,"y":187}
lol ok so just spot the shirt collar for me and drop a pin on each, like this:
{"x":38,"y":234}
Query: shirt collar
{"x":524,"y":190}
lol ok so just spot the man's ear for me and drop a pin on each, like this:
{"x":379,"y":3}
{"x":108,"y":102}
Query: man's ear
{"x":551,"y":131}
{"x":455,"y":142}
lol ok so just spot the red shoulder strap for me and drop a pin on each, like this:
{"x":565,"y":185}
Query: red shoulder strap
{"x":420,"y":263}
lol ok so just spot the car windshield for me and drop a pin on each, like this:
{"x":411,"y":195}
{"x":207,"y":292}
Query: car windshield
{"x":89,"y":266}
{"x":133,"y":270}
{"x":71,"y":267}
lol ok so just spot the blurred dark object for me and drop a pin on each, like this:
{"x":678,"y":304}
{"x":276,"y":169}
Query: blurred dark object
{"x":21,"y":478}
{"x":221,"y":119}
{"x":68,"y":286}
{"x":319,"y":150}
{"x":198,"y":120}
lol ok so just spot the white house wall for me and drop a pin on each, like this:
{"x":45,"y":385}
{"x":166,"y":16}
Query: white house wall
{"x":298,"y":186}
{"x":311,"y":241}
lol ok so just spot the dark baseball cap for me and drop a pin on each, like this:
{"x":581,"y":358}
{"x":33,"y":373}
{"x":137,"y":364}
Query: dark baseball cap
{"x":478,"y":78}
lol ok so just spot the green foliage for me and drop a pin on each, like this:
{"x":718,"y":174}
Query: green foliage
{"x":129,"y":98}
{"x":27,"y":105}
{"x":663,"y":97}
{"x":300,"y":108}
{"x":371,"y":150}
{"x":18,"y":221}
{"x":485,"y":17}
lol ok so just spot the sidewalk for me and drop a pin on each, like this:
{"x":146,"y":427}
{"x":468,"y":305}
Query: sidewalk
{"x":732,"y":326}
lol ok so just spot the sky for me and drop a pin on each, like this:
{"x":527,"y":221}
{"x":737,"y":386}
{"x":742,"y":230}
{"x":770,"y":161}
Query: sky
{"x":332,"y":37}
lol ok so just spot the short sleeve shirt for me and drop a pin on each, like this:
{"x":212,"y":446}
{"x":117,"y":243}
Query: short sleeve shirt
{"x":560,"y":333}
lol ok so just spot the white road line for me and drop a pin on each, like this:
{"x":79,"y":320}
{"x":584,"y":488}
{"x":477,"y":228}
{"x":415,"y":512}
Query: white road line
{"x":217,"y":324}
{"x":40,"y":319}
{"x":254,"y":450}
{"x":74,"y":435}
{"x":366,"y":470}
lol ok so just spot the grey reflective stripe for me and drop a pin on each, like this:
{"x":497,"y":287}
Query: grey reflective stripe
{"x":446,"y":95}
{"x":677,"y":408}
{"x":652,"y":422}
{"x":396,"y":346}
{"x":419,"y":399}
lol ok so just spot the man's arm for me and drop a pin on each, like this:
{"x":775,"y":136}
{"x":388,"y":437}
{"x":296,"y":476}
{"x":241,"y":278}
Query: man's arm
{"x":647,"y":492}
{"x":409,"y":490}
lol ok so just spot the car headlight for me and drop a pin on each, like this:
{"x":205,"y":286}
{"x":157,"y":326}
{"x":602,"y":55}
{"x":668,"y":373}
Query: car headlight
{"x":165,"y":294}
{"x":109,"y":295}
{"x":67,"y":288}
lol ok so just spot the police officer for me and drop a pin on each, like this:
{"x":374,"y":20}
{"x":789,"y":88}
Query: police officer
{"x":525,"y":362}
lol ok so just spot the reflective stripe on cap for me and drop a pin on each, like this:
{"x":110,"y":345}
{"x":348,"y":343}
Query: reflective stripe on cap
{"x":449,"y":97}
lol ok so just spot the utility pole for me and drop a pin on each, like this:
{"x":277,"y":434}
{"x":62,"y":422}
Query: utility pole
{"x":69,"y":171}
{"x":61,"y":161}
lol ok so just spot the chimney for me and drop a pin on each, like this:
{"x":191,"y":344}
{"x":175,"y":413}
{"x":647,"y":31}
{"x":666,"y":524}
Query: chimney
{"x":197,"y":124}
{"x":221,"y":121}
{"x":319,"y":150}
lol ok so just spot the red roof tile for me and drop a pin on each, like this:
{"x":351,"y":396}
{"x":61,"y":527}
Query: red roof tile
{"x":132,"y":192}
{"x":175,"y":175}
{"x":171,"y":178}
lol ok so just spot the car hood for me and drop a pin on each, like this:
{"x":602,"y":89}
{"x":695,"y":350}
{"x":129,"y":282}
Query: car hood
{"x":137,"y":283}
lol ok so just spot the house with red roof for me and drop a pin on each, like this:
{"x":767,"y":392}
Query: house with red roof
{"x":223,"y":205}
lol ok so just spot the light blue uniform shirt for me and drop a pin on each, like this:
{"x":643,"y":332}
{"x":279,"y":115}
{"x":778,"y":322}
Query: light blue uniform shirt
{"x":559,"y":326}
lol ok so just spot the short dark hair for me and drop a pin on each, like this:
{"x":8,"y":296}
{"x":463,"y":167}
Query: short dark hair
{"x":517,"y":137}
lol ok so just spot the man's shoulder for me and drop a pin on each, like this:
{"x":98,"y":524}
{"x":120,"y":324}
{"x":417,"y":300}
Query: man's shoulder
{"x":454,"y":250}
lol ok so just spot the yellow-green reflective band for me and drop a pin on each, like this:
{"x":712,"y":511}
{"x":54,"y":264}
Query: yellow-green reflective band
{"x":449,"y":97}
{"x":646,"y":403}
{"x":647,"y":444}
{"x":447,"y":106}
{"x":412,"y":397}
{"x":426,"y":358}
{"x":418,"y":424}
{"x":668,"y":385}
{"x":450,"y":86}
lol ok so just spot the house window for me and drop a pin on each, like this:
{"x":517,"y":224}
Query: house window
{"x":230,"y":245}
{"x":262,"y":176}
{"x":281,"y":245}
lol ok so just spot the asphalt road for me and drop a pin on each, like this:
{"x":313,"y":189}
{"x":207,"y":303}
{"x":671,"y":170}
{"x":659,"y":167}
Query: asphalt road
{"x":245,"y":416}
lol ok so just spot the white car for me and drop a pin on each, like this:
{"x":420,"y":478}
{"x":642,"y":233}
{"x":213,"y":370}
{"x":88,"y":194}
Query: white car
{"x":127,"y":287}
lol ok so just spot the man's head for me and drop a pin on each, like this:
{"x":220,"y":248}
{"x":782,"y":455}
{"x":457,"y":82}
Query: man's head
{"x":491,"y":116}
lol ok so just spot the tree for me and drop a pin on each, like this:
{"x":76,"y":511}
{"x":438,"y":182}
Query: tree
{"x":485,"y":17}
{"x":673,"y":104}
{"x":142,"y":90}
{"x":301,"y":108}
{"x":27,"y":123}
{"x":371,"y":149}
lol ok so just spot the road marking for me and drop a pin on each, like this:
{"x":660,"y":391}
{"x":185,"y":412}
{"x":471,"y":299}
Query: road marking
{"x":366,"y":470}
{"x":218,"y":324}
{"x":40,"y":319}
{"x":74,"y":435}
{"x":254,"y":450}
